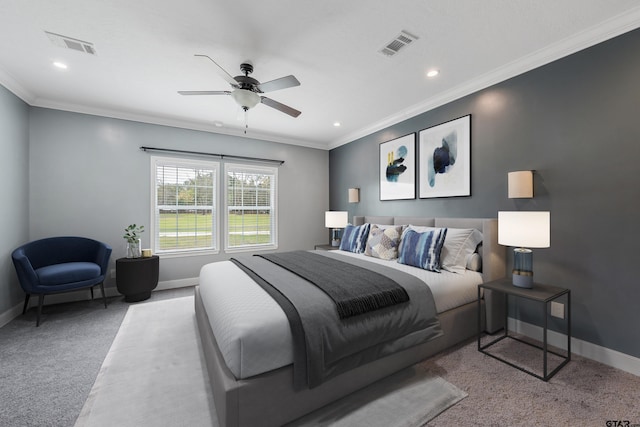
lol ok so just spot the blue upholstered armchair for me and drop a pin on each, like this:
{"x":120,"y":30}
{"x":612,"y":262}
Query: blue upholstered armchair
{"x":60,"y":264}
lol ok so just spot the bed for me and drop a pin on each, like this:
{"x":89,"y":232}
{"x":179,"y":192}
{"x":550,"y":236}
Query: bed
{"x":247,"y":396}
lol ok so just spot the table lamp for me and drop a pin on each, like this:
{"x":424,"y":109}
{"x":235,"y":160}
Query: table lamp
{"x":523,"y":230}
{"x":336,"y":220}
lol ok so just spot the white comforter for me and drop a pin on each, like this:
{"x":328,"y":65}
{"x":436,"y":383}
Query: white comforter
{"x":253,"y":332}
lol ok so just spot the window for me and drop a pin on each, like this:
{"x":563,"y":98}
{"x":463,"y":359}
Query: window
{"x":184,"y":206}
{"x":250,"y":207}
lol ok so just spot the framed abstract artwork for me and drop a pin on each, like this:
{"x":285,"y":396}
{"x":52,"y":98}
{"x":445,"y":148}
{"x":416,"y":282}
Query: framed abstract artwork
{"x":445,"y":159}
{"x":398,"y":168}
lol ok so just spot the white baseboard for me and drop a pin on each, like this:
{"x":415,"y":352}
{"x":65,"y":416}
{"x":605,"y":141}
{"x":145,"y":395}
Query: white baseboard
{"x":10,"y":314}
{"x":179,"y":283}
{"x":582,"y":348}
{"x":85,"y":294}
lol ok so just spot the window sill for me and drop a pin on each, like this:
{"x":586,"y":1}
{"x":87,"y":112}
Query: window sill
{"x":187,"y":254}
{"x":250,"y":249}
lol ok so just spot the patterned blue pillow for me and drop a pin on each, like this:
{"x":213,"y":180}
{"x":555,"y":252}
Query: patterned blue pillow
{"x":354,"y":238}
{"x":422,"y":249}
{"x":383,"y":242}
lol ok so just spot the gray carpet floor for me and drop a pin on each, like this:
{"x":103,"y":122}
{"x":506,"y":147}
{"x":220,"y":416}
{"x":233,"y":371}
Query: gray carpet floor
{"x":46,"y":374}
{"x":583,"y":393}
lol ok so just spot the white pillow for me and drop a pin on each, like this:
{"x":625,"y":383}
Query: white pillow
{"x":474,"y":262}
{"x":418,"y":228}
{"x":459,"y":243}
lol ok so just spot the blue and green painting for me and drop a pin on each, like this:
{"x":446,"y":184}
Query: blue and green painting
{"x":443,"y":158}
{"x":395,"y":168}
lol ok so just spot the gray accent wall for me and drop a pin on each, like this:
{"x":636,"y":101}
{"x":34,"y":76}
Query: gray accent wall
{"x":14,"y":192}
{"x":576,"y":123}
{"x":88,"y":177}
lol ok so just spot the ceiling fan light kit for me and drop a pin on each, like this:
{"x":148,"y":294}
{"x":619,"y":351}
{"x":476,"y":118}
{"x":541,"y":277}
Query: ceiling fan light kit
{"x":246,"y":89}
{"x":245,"y":98}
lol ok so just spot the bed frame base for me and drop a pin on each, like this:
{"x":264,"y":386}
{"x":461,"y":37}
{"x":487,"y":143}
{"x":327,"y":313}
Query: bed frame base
{"x":270,"y":400}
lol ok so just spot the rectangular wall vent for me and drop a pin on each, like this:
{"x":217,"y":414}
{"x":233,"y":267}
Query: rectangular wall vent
{"x":71,"y":43}
{"x":395,"y":45}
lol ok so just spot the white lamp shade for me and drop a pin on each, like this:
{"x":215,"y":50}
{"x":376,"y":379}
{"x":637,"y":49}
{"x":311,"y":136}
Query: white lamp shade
{"x":524,"y":229}
{"x":245,"y":98}
{"x":520,"y":185}
{"x":354,"y":195}
{"x":336,"y":219}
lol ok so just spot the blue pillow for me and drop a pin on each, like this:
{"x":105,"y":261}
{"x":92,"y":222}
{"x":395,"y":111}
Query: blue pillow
{"x":422,"y":249}
{"x":354,"y":238}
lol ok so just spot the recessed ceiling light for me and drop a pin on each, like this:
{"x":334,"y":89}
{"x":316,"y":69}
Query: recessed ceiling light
{"x":60,"y":65}
{"x":433,"y":73}
{"x":337,"y":124}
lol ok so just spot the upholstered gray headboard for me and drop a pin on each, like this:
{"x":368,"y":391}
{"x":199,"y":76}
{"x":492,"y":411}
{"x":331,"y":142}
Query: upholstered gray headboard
{"x":493,"y":254}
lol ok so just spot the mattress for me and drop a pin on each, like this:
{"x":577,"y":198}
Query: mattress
{"x":253,"y":332}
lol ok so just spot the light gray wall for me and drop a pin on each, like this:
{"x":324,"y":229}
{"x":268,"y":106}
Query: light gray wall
{"x":88,"y":177}
{"x":575,"y":122}
{"x":14,"y":191}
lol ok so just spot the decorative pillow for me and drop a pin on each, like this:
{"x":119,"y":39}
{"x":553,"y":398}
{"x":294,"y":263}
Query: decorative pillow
{"x":474,"y":262}
{"x":354,"y":238}
{"x":422,"y":249}
{"x":460,"y":243}
{"x":383,"y":242}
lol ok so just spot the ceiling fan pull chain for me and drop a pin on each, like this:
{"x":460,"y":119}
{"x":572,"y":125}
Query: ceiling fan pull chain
{"x":246,"y":119}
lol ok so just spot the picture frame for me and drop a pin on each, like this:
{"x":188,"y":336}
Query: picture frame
{"x":445,"y":159}
{"x":398,"y":168}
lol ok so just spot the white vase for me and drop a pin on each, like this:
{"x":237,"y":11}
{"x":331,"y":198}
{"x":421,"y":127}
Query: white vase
{"x":134,"y":249}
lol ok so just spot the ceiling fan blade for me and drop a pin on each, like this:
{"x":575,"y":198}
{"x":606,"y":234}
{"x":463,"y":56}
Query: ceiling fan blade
{"x":204,"y":92}
{"x":280,"y":107}
{"x":223,"y":73}
{"x":277,"y":84}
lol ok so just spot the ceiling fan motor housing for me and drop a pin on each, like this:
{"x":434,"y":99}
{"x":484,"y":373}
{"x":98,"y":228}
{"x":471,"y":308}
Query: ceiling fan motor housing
{"x":248,"y":83}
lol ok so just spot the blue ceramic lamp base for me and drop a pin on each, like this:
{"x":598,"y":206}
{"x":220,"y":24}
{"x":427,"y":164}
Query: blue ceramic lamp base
{"x":522,"y":268}
{"x":335,"y":239}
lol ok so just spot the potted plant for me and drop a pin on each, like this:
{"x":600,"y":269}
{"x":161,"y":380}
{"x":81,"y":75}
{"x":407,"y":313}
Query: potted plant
{"x":132,"y":236}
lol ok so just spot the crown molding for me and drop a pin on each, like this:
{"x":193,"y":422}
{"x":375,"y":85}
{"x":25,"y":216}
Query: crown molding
{"x":165,"y":121}
{"x":604,"y":31}
{"x":14,"y":87}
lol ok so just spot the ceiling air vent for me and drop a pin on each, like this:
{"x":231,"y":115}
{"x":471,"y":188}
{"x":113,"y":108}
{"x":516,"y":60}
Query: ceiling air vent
{"x":395,"y":45}
{"x":71,"y":43}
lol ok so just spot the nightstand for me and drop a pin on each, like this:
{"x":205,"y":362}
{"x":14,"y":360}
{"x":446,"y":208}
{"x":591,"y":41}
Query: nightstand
{"x":326,"y":248}
{"x":540,"y":294}
{"x":137,"y":277}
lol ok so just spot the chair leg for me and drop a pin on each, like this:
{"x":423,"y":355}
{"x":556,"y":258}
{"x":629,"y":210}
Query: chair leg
{"x":104,"y":297}
{"x":40,"y":302}
{"x":26,"y":303}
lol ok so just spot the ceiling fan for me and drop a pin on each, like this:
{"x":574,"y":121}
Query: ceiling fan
{"x":246,"y":89}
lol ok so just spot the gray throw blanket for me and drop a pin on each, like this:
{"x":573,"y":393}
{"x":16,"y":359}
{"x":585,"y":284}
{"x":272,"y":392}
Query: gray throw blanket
{"x":325,"y":345}
{"x":355,"y":290}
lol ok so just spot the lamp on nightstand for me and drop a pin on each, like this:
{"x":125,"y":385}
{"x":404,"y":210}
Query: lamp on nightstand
{"x":523,"y":230}
{"x":336,"y":220}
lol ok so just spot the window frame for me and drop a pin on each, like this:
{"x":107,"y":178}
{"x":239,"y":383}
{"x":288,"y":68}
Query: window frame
{"x":250,"y":168}
{"x":216,"y":230}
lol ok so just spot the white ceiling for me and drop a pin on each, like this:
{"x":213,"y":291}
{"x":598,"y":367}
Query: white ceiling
{"x":145,"y":54}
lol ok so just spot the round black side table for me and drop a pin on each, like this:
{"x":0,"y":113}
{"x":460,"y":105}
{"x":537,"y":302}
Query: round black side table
{"x":137,"y":277}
